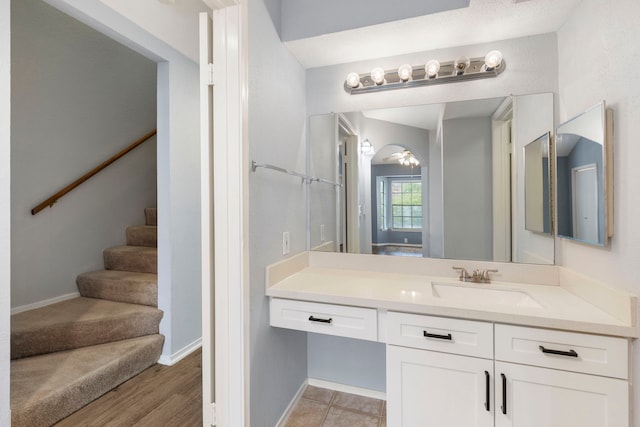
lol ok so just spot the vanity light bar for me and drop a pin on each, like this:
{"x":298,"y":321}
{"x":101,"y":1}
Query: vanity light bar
{"x":406,"y":76}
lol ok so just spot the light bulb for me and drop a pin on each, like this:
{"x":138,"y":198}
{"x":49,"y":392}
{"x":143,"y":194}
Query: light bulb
{"x":432,"y":67}
{"x":461,"y":64}
{"x":404,"y":72}
{"x":377,"y":75}
{"x":493,"y":59}
{"x":353,"y":80}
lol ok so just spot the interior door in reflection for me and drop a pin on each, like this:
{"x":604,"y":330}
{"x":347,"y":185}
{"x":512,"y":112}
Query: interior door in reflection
{"x":585,"y":203}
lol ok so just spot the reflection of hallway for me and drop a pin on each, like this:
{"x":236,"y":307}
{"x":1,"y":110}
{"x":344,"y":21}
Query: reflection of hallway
{"x":397,"y":250}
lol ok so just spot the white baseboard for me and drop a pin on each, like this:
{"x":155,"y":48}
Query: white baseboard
{"x":285,"y":416}
{"x":44,"y":303}
{"x":172,"y":359}
{"x":347,"y":388}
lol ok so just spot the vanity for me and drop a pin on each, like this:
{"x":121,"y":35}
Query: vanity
{"x":539,"y":346}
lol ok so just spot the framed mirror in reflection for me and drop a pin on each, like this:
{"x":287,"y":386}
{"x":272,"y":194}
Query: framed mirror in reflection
{"x":583,"y":181}
{"x":444,"y":181}
{"x":537,"y":185}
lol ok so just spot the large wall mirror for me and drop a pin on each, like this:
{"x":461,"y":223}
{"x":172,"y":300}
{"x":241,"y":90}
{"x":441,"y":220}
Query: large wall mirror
{"x":443,"y":181}
{"x":583,"y":177}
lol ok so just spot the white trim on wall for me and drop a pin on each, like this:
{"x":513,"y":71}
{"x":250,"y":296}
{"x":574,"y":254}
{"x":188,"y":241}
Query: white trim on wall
{"x":230,"y":168}
{"x":44,"y":303}
{"x":180,"y":354}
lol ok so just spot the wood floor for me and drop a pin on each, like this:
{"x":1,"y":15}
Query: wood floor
{"x":164,"y":396}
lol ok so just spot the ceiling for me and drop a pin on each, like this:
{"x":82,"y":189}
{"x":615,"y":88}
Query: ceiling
{"x":427,"y":116}
{"x":489,"y":20}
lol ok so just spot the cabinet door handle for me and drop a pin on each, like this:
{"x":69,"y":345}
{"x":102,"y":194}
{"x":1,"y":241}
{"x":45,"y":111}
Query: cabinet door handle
{"x":487,"y":405}
{"x":504,"y":394}
{"x":317,"y":319}
{"x":570,"y":353}
{"x":440,"y":337}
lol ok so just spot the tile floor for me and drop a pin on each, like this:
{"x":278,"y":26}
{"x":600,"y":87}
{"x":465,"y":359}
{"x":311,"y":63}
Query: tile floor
{"x":319,"y":407}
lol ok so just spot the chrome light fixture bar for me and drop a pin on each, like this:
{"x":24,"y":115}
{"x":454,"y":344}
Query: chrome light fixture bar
{"x":431,"y":73}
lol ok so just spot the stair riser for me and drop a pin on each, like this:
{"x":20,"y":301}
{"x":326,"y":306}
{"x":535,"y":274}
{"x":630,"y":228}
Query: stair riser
{"x":82,"y":334}
{"x":142,"y":236}
{"x":42,"y":408}
{"x":120,"y":291}
{"x":151,"y":216}
{"x":142,"y":262}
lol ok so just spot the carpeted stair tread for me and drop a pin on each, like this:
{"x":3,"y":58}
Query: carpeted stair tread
{"x":142,"y":235}
{"x":47,"y":388}
{"x":151,"y":216}
{"x":79,"y":322}
{"x":140,"y":259}
{"x":122,"y":286}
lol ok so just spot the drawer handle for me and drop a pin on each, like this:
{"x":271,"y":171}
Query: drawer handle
{"x":570,"y":353}
{"x":317,"y":319}
{"x":440,"y":337}
{"x":487,"y":391}
{"x":504,"y":394}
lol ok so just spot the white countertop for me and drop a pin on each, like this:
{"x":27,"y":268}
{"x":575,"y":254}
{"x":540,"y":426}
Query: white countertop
{"x":555,"y":307}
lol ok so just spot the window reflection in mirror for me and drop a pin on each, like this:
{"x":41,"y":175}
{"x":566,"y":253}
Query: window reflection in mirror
{"x":581,"y":147}
{"x":470,"y":171}
{"x":537,"y":198}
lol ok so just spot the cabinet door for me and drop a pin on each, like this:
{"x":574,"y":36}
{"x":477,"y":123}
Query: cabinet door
{"x":431,"y":389}
{"x":537,"y":397}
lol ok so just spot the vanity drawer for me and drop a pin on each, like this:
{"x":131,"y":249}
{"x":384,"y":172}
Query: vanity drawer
{"x":466,"y":337}
{"x":340,"y":320}
{"x":569,"y":351}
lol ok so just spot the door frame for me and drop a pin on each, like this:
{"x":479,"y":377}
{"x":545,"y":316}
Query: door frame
{"x":223,"y":177}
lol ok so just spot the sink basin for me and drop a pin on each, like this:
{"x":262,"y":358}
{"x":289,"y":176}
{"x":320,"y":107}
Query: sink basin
{"x":483,"y":295}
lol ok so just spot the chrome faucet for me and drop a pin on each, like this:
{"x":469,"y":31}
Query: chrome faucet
{"x":478,"y":276}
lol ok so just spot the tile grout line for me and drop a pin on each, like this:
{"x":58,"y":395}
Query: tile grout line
{"x":329,"y":406}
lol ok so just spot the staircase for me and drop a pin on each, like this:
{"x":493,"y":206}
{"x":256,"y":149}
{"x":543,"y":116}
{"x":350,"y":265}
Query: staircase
{"x":66,"y":355}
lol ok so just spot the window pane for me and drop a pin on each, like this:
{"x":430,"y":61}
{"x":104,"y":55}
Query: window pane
{"x":416,"y":222}
{"x":397,"y":222}
{"x":416,"y":211}
{"x":406,"y":211}
{"x":406,"y":222}
{"x":397,"y":211}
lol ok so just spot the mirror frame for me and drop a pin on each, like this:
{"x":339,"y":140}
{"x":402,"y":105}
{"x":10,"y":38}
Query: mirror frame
{"x":546,"y":146}
{"x":606,"y":117}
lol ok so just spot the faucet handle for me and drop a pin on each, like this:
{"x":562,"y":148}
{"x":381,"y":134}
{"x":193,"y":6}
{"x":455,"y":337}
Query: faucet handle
{"x":464,"y":275}
{"x":485,"y":274}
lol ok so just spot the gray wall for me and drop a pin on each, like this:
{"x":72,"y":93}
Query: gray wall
{"x":5,"y":211}
{"x":467,"y":201}
{"x":309,"y":18}
{"x":278,"y":359}
{"x":352,"y":362}
{"x":78,"y":97}
{"x":609,"y":28}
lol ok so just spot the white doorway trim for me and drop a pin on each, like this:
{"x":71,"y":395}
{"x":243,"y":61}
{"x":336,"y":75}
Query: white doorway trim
{"x":223,"y":176}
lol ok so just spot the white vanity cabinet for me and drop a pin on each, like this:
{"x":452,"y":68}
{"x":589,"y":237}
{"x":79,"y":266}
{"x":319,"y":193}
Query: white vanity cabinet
{"x":446,"y":379}
{"x":469,"y":373}
{"x":558,"y":379}
{"x":443,"y":371}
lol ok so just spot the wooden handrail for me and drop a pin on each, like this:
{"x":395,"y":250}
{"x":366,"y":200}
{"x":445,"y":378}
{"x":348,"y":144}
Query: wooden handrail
{"x":51,"y":200}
